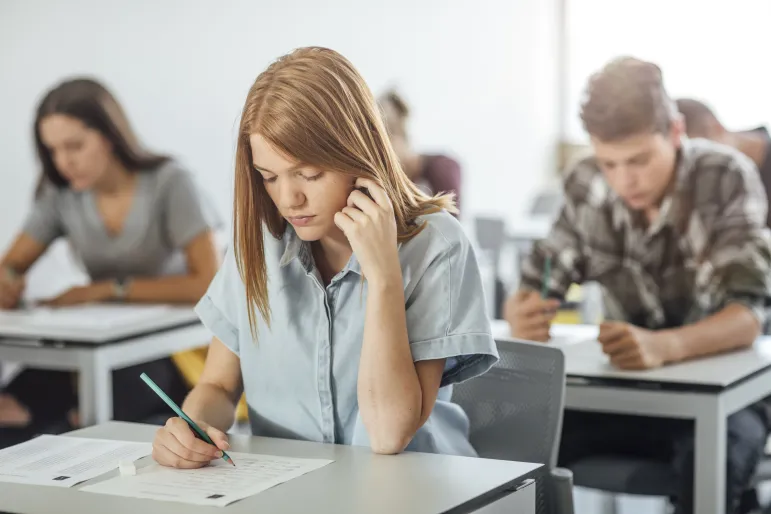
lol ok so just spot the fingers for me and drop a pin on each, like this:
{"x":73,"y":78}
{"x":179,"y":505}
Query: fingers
{"x":628,"y":361}
{"x":535,"y":305}
{"x":536,"y":319}
{"x":363,"y":203}
{"x":175,"y":445}
{"x":344,"y":222}
{"x":378,"y":193}
{"x":220,"y":438}
{"x":621,"y":349}
{"x":530,"y":316}
{"x":355,"y":214}
{"x":523,"y":295}
{"x":185,"y":435}
{"x":166,"y":457}
{"x":610,"y":331}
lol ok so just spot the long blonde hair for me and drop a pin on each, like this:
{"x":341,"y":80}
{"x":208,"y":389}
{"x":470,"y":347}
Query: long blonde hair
{"x":313,"y":106}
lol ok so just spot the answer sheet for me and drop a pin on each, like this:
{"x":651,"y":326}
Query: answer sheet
{"x":64,"y":461}
{"x":216,"y":485}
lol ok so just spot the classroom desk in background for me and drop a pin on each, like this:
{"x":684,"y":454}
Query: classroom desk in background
{"x":358,"y":481}
{"x":94,"y":353}
{"x":706,"y":391}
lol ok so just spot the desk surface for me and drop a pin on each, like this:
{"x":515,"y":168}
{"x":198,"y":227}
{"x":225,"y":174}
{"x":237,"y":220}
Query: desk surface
{"x":357,"y":482}
{"x":93,"y":324}
{"x":584,"y":359}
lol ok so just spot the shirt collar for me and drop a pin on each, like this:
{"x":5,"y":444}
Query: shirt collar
{"x":296,"y":248}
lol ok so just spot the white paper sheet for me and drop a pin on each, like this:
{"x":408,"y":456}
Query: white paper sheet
{"x":64,"y":461}
{"x":561,"y":335}
{"x":95,"y":316}
{"x":217,"y":485}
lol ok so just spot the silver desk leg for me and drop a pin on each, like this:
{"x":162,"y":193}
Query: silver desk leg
{"x":710,"y":456}
{"x":95,"y":389}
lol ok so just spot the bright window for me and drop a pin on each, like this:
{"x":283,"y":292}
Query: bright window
{"x":718,"y":51}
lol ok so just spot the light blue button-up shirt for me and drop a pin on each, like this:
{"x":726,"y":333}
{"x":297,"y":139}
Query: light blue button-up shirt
{"x":300,"y":374}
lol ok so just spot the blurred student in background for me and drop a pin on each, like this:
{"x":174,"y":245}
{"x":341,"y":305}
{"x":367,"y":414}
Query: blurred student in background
{"x":700,"y":121}
{"x":135,"y":222}
{"x":674,"y":231}
{"x":433,"y":173}
{"x":344,"y":314}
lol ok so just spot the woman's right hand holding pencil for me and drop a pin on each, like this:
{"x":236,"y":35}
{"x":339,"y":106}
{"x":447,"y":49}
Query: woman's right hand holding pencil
{"x":530,"y":316}
{"x":176,"y":446}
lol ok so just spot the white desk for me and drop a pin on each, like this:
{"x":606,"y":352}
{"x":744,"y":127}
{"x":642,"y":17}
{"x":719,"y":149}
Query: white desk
{"x":356,"y":482}
{"x":94,"y":354}
{"x":705,"y":390}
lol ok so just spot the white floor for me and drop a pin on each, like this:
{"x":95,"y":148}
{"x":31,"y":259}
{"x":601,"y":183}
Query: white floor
{"x":588,"y":501}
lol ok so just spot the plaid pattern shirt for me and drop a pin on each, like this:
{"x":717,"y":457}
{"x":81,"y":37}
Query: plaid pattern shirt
{"x":708,"y":247}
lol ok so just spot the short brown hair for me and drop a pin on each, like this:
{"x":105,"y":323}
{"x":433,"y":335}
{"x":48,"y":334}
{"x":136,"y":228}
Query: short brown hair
{"x":697,"y":115}
{"x":625,"y":98}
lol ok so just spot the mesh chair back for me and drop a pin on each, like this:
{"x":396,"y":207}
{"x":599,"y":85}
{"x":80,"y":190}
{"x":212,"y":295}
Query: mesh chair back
{"x":515,"y":409}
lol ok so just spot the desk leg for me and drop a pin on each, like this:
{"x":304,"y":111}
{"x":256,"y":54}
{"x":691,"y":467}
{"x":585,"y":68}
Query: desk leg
{"x":710,"y":457}
{"x":95,"y":390}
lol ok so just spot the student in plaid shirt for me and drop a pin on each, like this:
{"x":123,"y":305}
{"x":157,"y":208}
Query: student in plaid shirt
{"x":674,"y":230}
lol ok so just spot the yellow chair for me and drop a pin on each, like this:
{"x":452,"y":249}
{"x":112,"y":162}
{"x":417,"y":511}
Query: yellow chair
{"x":190,"y":365}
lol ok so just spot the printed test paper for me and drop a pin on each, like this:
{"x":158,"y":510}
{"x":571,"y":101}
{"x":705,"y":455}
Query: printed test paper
{"x":217,"y":484}
{"x":64,"y":461}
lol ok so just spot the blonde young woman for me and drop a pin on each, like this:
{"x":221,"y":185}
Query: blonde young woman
{"x":350,"y":301}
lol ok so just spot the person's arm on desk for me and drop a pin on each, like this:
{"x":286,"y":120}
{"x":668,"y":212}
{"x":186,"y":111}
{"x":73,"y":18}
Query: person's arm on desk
{"x":211,"y":404}
{"x":529,"y":315}
{"x":201,"y":259}
{"x":738,"y":251}
{"x":631,"y":347}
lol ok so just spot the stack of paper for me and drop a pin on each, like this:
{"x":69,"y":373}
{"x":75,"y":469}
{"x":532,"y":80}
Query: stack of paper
{"x":65,"y":461}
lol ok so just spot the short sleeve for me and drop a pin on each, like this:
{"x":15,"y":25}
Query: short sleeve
{"x":219,"y":308}
{"x":185,"y":213}
{"x":44,"y":223}
{"x":446,"y":314}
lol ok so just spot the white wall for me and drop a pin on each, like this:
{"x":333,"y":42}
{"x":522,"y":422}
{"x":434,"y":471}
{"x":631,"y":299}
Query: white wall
{"x":481,"y":76}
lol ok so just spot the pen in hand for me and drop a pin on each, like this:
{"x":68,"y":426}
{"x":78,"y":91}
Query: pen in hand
{"x":192,"y":424}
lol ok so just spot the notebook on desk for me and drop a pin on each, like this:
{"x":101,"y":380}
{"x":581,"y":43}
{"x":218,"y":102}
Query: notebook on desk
{"x":93,"y":323}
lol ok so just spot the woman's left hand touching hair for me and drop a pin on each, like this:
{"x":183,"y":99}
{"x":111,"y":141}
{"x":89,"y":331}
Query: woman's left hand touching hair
{"x":370,"y":226}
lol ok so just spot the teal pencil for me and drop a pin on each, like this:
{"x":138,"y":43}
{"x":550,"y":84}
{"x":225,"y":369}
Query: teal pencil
{"x":203,"y":435}
{"x":546,"y":277}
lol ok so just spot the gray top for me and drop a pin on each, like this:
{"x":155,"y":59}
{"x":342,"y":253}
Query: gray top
{"x":358,"y":481}
{"x":300,"y":374}
{"x":166,"y":214}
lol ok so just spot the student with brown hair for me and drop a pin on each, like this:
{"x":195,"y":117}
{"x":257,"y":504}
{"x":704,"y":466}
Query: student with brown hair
{"x":701,"y":122}
{"x":133,"y":219}
{"x":674,"y":231}
{"x":433,"y":173}
{"x":351,"y":301}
